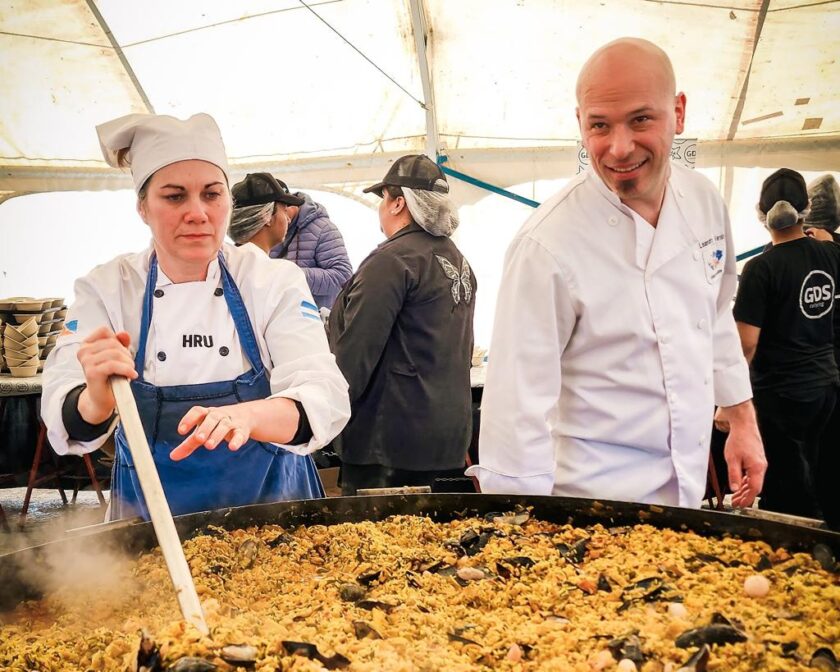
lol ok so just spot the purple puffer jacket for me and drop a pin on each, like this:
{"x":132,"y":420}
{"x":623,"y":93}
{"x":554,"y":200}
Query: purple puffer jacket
{"x":315,"y":244}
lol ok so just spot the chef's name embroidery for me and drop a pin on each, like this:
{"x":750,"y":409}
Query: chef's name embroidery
{"x":197,"y":341}
{"x":719,"y":237}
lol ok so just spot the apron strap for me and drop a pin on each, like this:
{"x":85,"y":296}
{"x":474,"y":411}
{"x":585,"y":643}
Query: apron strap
{"x":146,"y":320}
{"x":241,"y":320}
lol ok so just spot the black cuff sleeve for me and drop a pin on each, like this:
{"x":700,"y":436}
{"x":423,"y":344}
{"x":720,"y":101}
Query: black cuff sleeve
{"x":77,"y":427}
{"x":304,"y":431}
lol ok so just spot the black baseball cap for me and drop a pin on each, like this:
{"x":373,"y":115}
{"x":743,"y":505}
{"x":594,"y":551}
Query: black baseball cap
{"x":783,"y":185}
{"x":414,"y":171}
{"x":261,"y":188}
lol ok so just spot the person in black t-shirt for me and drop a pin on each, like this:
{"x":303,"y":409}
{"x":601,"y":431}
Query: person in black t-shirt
{"x":784,"y":312}
{"x":821,"y":223}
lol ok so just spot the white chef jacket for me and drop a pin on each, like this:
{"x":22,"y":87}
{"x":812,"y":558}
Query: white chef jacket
{"x":192,"y":338}
{"x":610,"y":351}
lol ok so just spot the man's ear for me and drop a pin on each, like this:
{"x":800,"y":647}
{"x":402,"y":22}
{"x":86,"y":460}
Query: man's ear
{"x":679,"y":109}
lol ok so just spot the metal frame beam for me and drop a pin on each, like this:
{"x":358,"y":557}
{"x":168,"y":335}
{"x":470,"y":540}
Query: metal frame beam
{"x":421,"y":44}
{"x":496,"y":166}
{"x":121,"y":55}
{"x":742,"y":98}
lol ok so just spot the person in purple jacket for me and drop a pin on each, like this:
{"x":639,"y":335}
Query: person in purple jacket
{"x":315,"y":244}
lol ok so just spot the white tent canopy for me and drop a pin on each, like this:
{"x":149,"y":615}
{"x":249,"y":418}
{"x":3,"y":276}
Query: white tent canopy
{"x":328,"y":92}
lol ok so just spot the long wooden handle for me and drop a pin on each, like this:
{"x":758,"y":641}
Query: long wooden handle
{"x":158,"y":507}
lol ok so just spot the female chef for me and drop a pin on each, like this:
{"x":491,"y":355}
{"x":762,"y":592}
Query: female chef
{"x":227,"y":357}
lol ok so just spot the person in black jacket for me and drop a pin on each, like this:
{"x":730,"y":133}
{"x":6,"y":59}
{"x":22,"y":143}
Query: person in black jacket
{"x":402,"y":334}
{"x":784,"y":312}
{"x":821,"y":223}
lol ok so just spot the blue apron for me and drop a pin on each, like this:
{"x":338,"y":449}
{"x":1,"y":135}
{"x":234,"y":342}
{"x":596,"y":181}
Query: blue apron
{"x":208,"y":479}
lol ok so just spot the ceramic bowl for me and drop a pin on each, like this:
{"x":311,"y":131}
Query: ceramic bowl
{"x":28,"y":328}
{"x":23,"y":371}
{"x":13,"y":359}
{"x":20,"y":351}
{"x":28,"y":304}
{"x":23,"y":318}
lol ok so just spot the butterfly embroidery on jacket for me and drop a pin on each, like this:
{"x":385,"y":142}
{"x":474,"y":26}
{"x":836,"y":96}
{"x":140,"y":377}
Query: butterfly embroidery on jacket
{"x":459,"y":280}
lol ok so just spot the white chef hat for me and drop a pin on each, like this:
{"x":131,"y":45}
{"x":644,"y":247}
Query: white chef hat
{"x":156,"y":140}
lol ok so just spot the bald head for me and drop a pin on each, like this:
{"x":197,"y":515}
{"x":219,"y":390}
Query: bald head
{"x":628,"y":114}
{"x":623,"y":54}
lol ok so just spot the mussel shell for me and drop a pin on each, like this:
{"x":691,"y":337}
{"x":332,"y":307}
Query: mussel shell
{"x":247,"y":553}
{"x":627,"y":647}
{"x":351,"y":592}
{"x":148,"y":655}
{"x":604,"y":584}
{"x":715,"y":633}
{"x":574,"y":554}
{"x":824,"y":659}
{"x":369,"y":577}
{"x":280,"y":540}
{"x":824,"y":555}
{"x":190,"y":664}
{"x":333,"y":662}
{"x":699,"y":661}
{"x":362,"y":630}
{"x":376,"y":604}
{"x":240,"y":655}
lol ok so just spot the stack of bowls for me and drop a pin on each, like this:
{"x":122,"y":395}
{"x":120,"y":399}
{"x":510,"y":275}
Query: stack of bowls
{"x":20,"y":348}
{"x":22,"y":315}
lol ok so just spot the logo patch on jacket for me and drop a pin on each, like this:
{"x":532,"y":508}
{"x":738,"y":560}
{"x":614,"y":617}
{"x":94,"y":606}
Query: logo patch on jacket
{"x":70,"y":328}
{"x":309,"y":310}
{"x":459,"y":280}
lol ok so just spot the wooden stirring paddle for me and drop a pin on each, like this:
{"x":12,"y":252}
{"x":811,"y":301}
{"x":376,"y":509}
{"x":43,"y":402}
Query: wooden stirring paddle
{"x":157,"y":505}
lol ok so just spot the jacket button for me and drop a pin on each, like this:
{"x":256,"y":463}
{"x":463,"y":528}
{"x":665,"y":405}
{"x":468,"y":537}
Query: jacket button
{"x":613,"y":221}
{"x":158,"y":293}
{"x":680,"y":192}
{"x":161,"y":356}
{"x":223,"y":351}
{"x":701,"y":324}
{"x":696,"y":255}
{"x":219,"y":291}
{"x":702,"y":441}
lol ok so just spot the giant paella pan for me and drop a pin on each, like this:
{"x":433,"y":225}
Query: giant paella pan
{"x":434,"y":582}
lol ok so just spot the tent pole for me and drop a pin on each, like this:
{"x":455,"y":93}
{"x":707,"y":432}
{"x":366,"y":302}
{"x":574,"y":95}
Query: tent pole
{"x":121,"y":55}
{"x":421,"y":43}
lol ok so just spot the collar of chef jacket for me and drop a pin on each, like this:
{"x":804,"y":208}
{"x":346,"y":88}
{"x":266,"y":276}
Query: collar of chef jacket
{"x":671,"y":239}
{"x":214,"y":273}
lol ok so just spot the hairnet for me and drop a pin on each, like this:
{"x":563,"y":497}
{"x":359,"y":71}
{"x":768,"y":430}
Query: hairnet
{"x":824,"y":193}
{"x":782,"y":216}
{"x":246,"y":222}
{"x":432,"y":210}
